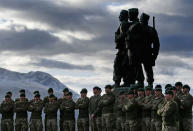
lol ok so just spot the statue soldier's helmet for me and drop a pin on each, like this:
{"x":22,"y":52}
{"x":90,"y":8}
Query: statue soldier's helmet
{"x":144,"y":17}
{"x":123,"y":15}
{"x":133,"y":12}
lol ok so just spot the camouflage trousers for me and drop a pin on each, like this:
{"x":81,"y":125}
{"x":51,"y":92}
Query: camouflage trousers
{"x":107,"y":122}
{"x":21,"y":124}
{"x":139,"y":124}
{"x":156,"y":125}
{"x":120,"y":124}
{"x":178,"y":126}
{"x":51,"y":125}
{"x":36,"y":125}
{"x":131,"y":125}
{"x":96,"y":124}
{"x":83,"y":124}
{"x":69,"y":125}
{"x":187,"y":124}
{"x":168,"y":128}
{"x":146,"y":124}
{"x":7,"y":125}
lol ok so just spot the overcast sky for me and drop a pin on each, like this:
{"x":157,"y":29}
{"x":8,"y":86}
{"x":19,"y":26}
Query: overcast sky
{"x":73,"y":39}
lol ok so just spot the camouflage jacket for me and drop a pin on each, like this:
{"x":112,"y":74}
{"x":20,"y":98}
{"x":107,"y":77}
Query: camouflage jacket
{"x":93,"y":105}
{"x":7,"y":110}
{"x":130,"y":107}
{"x":51,"y":110}
{"x":60,"y":101}
{"x":106,"y":103}
{"x":179,"y":94}
{"x":36,"y":109}
{"x":68,"y":107}
{"x":147,"y":106}
{"x":168,"y":113}
{"x":83,"y":104}
{"x":21,"y":108}
{"x":140,"y":101}
{"x":186,"y":103}
{"x":118,"y":107}
{"x":155,"y":103}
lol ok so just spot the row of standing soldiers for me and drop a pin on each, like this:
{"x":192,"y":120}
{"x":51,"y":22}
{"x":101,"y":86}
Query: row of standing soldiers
{"x":137,"y":44}
{"x":137,"y":109}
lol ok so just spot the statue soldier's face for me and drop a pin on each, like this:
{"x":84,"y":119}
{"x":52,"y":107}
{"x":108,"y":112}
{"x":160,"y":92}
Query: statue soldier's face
{"x":123,"y":16}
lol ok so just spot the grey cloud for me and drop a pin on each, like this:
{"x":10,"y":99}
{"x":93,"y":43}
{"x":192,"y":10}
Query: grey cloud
{"x":67,"y":17}
{"x":61,"y":65}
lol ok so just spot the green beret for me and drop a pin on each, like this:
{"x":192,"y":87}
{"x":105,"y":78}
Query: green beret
{"x":22,"y":95}
{"x":121,"y":92}
{"x":186,"y":86}
{"x":22,"y":91}
{"x":37,"y":95}
{"x":7,"y":96}
{"x":167,"y":86}
{"x":140,"y":89}
{"x":50,"y":90}
{"x":84,"y":90}
{"x":69,"y":94}
{"x":96,"y":88}
{"x":169,"y":92}
{"x":178,"y":84}
{"x":36,"y":92}
{"x":9,"y":92}
{"x":173,"y":88}
{"x":65,"y":90}
{"x":130,"y":92}
{"x":108,"y":86}
{"x":148,"y":88}
{"x":158,"y":88}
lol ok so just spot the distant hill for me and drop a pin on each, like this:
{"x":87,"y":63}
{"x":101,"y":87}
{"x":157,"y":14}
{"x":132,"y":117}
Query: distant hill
{"x":14,"y":81}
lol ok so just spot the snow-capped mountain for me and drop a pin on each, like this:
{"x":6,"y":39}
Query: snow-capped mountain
{"x":32,"y":81}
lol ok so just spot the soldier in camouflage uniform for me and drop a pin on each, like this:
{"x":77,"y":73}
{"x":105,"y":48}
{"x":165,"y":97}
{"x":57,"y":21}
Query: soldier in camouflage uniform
{"x":7,"y":111}
{"x":46,"y":100}
{"x":63,"y":99}
{"x":130,"y":108}
{"x":35,"y":107}
{"x":178,"y":86}
{"x":68,"y":108}
{"x":22,"y":91}
{"x":93,"y":105}
{"x":146,"y":106}
{"x":82,"y":105}
{"x":106,"y":106}
{"x":186,"y":107}
{"x":167,"y":112}
{"x":178,"y":102}
{"x":119,"y":114}
{"x":50,"y":110}
{"x":10,"y":95}
{"x":140,"y":100}
{"x":156,"y":120}
{"x":21,"y":107}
